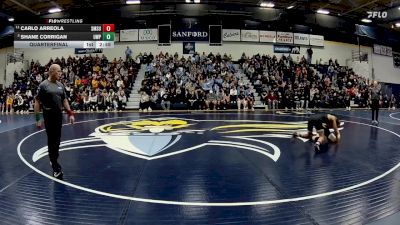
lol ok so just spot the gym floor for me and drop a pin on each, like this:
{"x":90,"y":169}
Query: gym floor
{"x":201,"y":168}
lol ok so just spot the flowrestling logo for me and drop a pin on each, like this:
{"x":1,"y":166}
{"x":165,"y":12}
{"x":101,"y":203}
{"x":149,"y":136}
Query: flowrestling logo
{"x":377,"y":14}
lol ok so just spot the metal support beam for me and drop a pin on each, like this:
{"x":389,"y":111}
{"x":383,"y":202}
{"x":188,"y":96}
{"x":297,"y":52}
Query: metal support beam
{"x":24,"y":6}
{"x":360,"y":7}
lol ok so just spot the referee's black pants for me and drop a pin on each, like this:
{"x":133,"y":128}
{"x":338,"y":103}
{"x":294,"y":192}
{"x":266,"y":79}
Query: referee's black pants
{"x":53,"y":124}
{"x":375,"y":109}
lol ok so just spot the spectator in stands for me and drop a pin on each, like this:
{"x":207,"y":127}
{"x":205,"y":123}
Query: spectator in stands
{"x":104,"y":101}
{"x":77,"y":102}
{"x":316,"y":102}
{"x":179,"y":96}
{"x":191,"y":98}
{"x":392,"y":101}
{"x":115,"y":100}
{"x":2,"y":100}
{"x":250,"y":99}
{"x":303,"y":99}
{"x":272,"y":100}
{"x":26,"y":104}
{"x":309,"y":55}
{"x":128,"y":54}
{"x":93,"y":101}
{"x":86,"y":101}
{"x":211,"y":100}
{"x":220,"y":99}
{"x":385,"y":101}
{"x":241,"y":101}
{"x":9,"y":103}
{"x":200,"y":99}
{"x":144,"y":103}
{"x":121,"y":100}
{"x":233,"y":93}
{"x":18,"y":103}
{"x":347,"y":102}
{"x":154,"y":99}
{"x":166,"y":100}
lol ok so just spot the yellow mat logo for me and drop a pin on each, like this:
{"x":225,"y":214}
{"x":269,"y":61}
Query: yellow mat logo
{"x":158,"y":138}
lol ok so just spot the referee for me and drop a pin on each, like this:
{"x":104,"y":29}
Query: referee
{"x":52,"y":98}
{"x":375,"y":92}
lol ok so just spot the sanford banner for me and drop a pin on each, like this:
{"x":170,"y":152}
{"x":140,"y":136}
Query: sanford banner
{"x":185,"y":34}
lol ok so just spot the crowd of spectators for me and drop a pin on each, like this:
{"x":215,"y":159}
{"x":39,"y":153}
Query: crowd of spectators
{"x":286,"y":83}
{"x":214,"y":82}
{"x":92,"y":83}
{"x":197,"y":82}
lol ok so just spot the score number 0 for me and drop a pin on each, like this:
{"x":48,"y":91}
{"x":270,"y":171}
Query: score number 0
{"x":108,"y":28}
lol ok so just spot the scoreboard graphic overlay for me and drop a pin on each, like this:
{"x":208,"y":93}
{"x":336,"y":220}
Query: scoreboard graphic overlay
{"x":58,"y":33}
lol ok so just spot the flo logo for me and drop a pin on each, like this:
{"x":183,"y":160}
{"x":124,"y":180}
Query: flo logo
{"x":377,"y":14}
{"x":158,"y":138}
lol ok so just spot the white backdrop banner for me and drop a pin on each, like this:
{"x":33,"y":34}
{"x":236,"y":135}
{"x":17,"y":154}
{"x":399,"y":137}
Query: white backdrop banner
{"x":129,"y":35}
{"x":148,"y":34}
{"x":267,"y":36}
{"x":230,"y":35}
{"x":284,"y":37}
{"x":383,"y":50}
{"x":301,"y":39}
{"x":377,"y":49}
{"x":389,"y":51}
{"x":249,"y":35}
{"x":316,"y":40}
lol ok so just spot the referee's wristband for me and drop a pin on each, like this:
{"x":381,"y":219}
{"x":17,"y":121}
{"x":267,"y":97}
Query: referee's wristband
{"x":37,"y":117}
{"x":70,"y":112}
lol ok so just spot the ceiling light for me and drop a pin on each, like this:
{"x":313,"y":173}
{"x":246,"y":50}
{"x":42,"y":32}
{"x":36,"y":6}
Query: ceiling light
{"x":187,"y":1}
{"x":366,"y":20}
{"x":323,"y":11}
{"x":133,"y":2}
{"x":54,"y":10}
{"x":397,"y":24}
{"x":196,"y":1}
{"x":267,"y":4}
{"x":290,"y":7}
{"x":11,"y":19}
